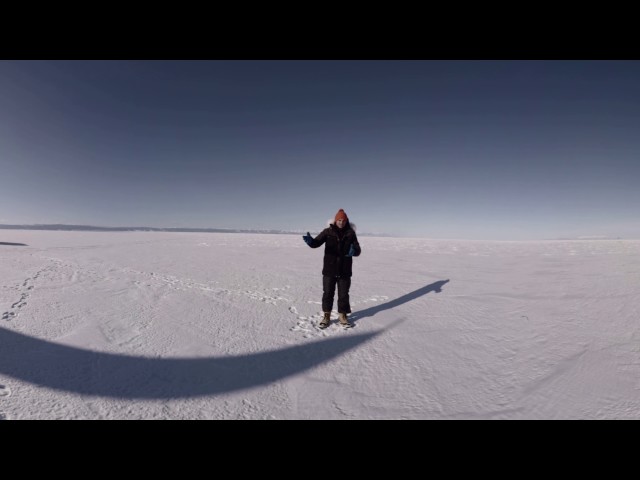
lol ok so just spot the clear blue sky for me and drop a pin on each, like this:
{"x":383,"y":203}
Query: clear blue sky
{"x":442,"y":149}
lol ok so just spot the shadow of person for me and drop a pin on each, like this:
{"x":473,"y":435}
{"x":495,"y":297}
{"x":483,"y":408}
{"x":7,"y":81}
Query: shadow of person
{"x":371,"y":311}
{"x":14,"y":244}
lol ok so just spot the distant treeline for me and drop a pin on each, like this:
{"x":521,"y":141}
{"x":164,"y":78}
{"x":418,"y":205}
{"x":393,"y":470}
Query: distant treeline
{"x":89,"y":228}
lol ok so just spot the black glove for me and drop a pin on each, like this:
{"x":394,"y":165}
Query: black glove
{"x":307,"y":238}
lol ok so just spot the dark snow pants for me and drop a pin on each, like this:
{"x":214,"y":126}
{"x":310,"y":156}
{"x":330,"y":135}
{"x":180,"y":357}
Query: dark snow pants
{"x":329,"y":288}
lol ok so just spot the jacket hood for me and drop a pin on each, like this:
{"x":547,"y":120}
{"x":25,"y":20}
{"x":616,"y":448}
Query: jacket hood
{"x":349,"y":223}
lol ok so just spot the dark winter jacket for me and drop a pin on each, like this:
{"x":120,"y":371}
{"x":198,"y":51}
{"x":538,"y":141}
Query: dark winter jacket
{"x":337,"y":242}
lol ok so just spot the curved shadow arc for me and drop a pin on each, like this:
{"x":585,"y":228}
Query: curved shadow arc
{"x":85,"y":372}
{"x":77,"y":370}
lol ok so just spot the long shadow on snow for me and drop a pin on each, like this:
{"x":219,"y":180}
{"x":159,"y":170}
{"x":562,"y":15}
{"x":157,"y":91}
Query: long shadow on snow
{"x":72,"y":369}
{"x":77,"y":370}
{"x":371,"y":311}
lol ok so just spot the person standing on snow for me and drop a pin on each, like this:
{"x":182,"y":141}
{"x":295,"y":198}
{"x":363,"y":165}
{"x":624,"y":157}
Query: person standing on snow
{"x":341,"y":244}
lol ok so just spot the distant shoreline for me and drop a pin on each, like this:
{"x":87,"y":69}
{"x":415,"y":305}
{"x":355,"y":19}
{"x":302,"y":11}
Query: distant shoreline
{"x":91,"y":228}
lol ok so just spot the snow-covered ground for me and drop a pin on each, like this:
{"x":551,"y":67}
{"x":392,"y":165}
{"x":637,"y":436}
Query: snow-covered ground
{"x":139,"y":325}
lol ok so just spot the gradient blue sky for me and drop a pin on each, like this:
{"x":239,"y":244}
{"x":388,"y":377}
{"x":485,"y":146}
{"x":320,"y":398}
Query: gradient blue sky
{"x":442,"y":149}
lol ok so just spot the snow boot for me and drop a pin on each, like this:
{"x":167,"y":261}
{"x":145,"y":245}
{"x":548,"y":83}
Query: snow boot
{"x":326,"y":320}
{"x":344,"y":321}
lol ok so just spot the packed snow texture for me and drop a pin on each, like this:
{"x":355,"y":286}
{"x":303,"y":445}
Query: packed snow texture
{"x":150,"y":325}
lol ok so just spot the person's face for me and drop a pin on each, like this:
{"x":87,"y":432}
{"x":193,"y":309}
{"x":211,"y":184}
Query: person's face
{"x":340,"y":223}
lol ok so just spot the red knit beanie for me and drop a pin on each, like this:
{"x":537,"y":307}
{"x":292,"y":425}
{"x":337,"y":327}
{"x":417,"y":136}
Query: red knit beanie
{"x":341,"y":215}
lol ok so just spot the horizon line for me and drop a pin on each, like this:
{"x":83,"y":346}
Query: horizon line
{"x":54,"y":226}
{"x":78,"y":227}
